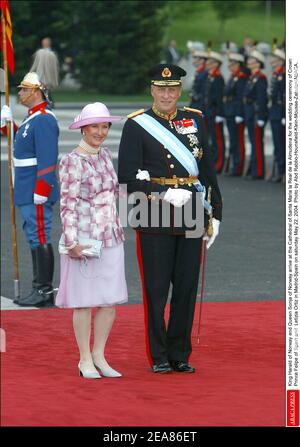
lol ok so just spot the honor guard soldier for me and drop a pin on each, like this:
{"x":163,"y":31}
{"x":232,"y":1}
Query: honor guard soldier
{"x":197,"y":92}
{"x":277,"y":114}
{"x":233,"y":108}
{"x":35,"y":186}
{"x":213,"y":107}
{"x":164,"y":150}
{"x":256,"y":113}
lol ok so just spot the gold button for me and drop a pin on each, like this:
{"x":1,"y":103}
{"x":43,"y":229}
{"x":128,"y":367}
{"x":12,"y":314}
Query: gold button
{"x":181,"y":180}
{"x":168,"y":156}
{"x":176,"y":186}
{"x":174,"y":176}
{"x":172,"y":166}
{"x":189,"y":184}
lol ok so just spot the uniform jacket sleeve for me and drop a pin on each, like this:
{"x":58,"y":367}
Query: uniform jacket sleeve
{"x":131,"y":160}
{"x":262,"y":99}
{"x":70,"y":181}
{"x":207,"y":174}
{"x":240,"y":87}
{"x":4,"y":129}
{"x":46,"y":144}
{"x":218,"y":90}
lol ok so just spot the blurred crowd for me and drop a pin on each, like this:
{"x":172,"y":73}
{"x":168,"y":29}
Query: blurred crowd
{"x":233,"y":89}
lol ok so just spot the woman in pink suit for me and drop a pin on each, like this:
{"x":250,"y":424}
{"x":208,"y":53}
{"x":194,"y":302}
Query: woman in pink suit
{"x":89,"y":187}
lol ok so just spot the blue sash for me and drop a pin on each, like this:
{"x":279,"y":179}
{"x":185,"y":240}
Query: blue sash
{"x":176,"y":147}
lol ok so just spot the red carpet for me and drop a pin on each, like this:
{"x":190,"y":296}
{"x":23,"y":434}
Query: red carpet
{"x":240,"y":377}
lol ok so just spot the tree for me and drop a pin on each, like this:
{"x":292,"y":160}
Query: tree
{"x":226,"y":9}
{"x":113,"y":43}
{"x":126,"y":41}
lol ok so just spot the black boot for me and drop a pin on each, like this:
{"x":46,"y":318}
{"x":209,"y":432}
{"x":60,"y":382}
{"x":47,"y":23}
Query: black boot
{"x":42,"y":295}
{"x":34,"y":280}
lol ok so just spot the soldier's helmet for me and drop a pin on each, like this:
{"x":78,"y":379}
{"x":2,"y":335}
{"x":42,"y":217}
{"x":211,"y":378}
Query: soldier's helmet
{"x":32,"y":80}
{"x":279,"y":53}
{"x":258,"y":56}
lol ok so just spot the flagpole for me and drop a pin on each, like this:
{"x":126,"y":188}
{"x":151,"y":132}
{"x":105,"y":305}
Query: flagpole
{"x":10,"y":178}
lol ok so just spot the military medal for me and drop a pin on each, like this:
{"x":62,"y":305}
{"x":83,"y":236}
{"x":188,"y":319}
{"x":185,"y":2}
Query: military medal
{"x":24,"y":134}
{"x":193,"y":139}
{"x":186,"y":126}
{"x":196,"y":151}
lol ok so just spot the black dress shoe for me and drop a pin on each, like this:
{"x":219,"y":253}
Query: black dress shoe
{"x":162,"y":368}
{"x":182,"y":367}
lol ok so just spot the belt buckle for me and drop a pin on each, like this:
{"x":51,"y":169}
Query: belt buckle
{"x":181,"y":181}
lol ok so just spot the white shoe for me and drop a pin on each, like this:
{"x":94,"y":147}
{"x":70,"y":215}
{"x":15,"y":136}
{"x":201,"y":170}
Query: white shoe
{"x":107,"y":371}
{"x":88,"y":374}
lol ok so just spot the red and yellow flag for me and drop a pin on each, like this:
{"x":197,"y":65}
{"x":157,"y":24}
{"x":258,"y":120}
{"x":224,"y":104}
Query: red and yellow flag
{"x":4,"y":6}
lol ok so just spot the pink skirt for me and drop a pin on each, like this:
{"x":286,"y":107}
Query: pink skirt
{"x":94,"y":282}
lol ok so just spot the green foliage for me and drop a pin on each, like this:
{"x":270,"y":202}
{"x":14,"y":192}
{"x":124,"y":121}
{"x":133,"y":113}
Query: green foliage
{"x":226,"y":10}
{"x":113,"y":43}
{"x":203,"y":25}
{"x":124,"y":44}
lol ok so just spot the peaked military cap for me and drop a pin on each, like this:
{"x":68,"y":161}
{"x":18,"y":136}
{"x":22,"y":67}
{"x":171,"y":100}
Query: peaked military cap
{"x":166,"y":74}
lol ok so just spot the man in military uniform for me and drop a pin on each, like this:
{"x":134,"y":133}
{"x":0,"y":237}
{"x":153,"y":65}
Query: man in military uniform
{"x":256,"y":114}
{"x":233,"y":108}
{"x":213,"y":106}
{"x":277,"y":114}
{"x":197,"y":92}
{"x":36,"y":187}
{"x":164,"y":154}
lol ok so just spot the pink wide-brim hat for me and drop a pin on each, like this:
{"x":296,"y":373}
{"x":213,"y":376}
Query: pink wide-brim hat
{"x":94,"y":113}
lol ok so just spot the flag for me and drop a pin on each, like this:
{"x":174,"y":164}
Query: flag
{"x":4,"y":6}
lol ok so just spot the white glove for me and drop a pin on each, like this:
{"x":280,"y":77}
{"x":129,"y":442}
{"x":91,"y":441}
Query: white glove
{"x":283,"y":121}
{"x":6,"y":115}
{"x":177,"y":197}
{"x":219,"y":119}
{"x":211,"y":239}
{"x":143,"y":175}
{"x":238,"y":119}
{"x":260,"y":123}
{"x":39,"y":200}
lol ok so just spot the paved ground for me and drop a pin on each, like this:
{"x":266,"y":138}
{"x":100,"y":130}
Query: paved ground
{"x":247,"y":261}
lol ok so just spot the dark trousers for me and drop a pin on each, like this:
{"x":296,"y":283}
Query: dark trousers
{"x":165,"y":259}
{"x":217,"y":141}
{"x":257,"y":160}
{"x":237,"y":145}
{"x":278,"y":133}
{"x":37,"y":223}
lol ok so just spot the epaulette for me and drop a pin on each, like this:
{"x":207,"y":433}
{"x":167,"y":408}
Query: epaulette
{"x":261,"y":75}
{"x":137,"y":112}
{"x":189,"y":109}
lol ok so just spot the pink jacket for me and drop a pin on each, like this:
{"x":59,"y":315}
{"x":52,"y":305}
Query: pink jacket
{"x":89,"y":187}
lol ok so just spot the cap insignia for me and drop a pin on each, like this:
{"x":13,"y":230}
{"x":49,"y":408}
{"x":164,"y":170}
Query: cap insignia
{"x":166,"y":73}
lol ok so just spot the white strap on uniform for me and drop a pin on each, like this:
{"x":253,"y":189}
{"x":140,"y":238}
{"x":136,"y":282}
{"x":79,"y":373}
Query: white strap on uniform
{"x":22,"y":162}
{"x":29,"y":118}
